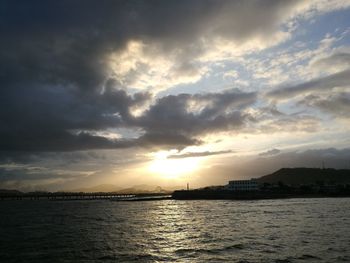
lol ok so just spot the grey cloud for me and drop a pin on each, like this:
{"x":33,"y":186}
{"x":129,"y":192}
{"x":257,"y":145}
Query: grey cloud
{"x":270,"y":119}
{"x":287,"y":123}
{"x":43,"y":118}
{"x":34,"y":173}
{"x":197,"y":154}
{"x":270,"y":152}
{"x":334,"y":60}
{"x":65,"y":141}
{"x":320,"y":92}
{"x":83,"y":161}
{"x":340,"y":79}
{"x":271,"y":110}
{"x":46,"y":121}
{"x":336,"y":104}
{"x":170,"y":140}
{"x":222,"y":111}
{"x":53,"y":107}
{"x":57,"y":141}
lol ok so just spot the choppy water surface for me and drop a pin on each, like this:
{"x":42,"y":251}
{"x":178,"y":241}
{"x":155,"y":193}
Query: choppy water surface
{"x":294,"y":230}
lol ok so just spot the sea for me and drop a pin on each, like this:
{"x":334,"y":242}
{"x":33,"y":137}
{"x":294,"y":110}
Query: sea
{"x":288,"y":230}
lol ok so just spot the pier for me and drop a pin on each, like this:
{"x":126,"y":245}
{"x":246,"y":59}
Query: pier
{"x":62,"y":196}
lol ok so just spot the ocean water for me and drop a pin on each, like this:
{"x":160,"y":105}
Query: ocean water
{"x":291,"y":230}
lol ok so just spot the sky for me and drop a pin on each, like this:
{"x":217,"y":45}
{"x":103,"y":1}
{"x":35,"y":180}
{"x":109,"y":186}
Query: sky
{"x":168,"y":92}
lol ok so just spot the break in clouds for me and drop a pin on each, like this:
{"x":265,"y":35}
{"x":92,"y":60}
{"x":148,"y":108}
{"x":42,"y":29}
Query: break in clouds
{"x":142,"y":76}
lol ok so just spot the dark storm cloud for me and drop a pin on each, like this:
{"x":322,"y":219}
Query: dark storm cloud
{"x":67,"y":41}
{"x":54,"y":107}
{"x":57,"y":141}
{"x":56,"y":87}
{"x":218,"y":112}
{"x":41,"y":118}
{"x":54,"y":121}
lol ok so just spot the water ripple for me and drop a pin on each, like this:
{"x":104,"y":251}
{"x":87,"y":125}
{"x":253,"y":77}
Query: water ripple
{"x":280,"y":231}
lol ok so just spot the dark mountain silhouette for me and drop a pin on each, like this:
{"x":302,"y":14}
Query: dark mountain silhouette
{"x":299,"y":176}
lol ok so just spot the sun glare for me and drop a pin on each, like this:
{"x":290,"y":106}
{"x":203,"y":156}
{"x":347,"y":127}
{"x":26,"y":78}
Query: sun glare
{"x":172,"y":168}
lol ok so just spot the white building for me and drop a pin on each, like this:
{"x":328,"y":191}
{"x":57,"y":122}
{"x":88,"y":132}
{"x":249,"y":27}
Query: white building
{"x":243,"y":185}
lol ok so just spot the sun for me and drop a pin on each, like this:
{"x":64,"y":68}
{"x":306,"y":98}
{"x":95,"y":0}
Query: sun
{"x":172,"y":168}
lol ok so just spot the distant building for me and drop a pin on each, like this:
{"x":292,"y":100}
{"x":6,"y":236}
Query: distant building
{"x":243,"y":185}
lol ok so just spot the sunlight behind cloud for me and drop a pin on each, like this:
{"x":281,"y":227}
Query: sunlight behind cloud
{"x":172,"y":168}
{"x":118,"y":87}
{"x":143,"y":65}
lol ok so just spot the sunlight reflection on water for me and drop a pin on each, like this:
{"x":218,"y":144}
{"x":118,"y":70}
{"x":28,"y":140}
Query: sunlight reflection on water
{"x":295,"y":230}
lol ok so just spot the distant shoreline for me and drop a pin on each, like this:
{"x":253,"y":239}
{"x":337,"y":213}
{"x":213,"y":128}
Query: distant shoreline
{"x":66,"y":196}
{"x":258,"y":195}
{"x":282,"y":184}
{"x":179,"y":195}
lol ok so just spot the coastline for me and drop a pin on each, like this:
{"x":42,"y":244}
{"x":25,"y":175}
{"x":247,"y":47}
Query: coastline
{"x":256,"y":195}
{"x":197,"y":194}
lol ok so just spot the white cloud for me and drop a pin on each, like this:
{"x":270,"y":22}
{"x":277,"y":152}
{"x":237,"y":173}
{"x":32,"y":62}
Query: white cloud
{"x":231,"y":74}
{"x":142,"y":66}
{"x":156,"y":65}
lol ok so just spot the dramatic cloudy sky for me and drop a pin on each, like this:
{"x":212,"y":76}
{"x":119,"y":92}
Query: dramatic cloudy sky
{"x":168,"y":92}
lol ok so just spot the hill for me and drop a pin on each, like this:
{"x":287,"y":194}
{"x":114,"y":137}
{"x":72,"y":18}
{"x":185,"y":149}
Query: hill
{"x":299,"y":176}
